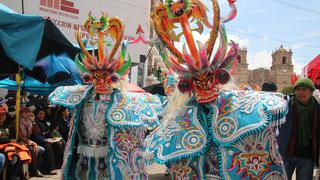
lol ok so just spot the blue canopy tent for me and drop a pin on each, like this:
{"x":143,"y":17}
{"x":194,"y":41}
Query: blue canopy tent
{"x":24,"y":39}
{"x":30,"y":85}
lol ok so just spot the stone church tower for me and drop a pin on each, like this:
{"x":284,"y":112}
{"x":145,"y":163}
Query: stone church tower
{"x":282,"y":68}
{"x":241,"y":73}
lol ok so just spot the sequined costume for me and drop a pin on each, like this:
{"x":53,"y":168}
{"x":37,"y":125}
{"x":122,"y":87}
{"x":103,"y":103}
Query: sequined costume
{"x":107,"y":127}
{"x":217,"y":134}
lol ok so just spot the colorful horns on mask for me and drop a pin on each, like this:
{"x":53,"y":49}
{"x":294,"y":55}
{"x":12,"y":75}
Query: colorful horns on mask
{"x":104,"y":61}
{"x":195,"y":57}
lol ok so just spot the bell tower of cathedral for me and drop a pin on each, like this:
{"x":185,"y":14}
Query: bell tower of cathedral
{"x":241,"y":73}
{"x":282,"y":68}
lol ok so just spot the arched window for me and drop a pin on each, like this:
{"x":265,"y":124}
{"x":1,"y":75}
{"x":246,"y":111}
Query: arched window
{"x":239,"y":59}
{"x":284,"y":60}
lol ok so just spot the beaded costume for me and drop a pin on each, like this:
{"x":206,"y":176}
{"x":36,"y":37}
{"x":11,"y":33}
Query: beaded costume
{"x":217,"y":134}
{"x":107,"y":127}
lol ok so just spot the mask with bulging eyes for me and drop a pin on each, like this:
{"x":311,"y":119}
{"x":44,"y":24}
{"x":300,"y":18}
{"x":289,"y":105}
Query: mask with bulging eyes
{"x":205,"y":86}
{"x":103,"y":81}
{"x":103,"y":68}
{"x":201,"y":68}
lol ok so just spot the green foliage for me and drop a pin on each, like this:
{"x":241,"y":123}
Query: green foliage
{"x":287,"y":90}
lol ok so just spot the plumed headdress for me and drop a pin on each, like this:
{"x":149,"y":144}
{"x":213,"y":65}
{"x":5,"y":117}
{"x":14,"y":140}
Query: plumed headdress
{"x":200,"y":70}
{"x":105,"y":60}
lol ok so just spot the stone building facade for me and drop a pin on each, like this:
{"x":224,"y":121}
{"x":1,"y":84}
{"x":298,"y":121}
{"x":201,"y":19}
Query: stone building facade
{"x":279,"y":73}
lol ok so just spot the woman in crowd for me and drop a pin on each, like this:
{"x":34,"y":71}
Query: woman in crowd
{"x":13,"y":155}
{"x":27,"y":128}
{"x":48,"y":160}
{"x":49,"y":115}
{"x":44,"y":138}
{"x":62,"y":122}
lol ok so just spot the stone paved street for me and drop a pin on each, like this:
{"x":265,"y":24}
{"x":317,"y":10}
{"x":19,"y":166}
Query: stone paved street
{"x":155,"y":173}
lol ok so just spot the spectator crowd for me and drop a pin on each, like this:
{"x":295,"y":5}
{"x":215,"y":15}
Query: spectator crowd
{"x":34,"y":146}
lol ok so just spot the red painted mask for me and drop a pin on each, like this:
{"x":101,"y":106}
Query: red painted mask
{"x":103,"y":81}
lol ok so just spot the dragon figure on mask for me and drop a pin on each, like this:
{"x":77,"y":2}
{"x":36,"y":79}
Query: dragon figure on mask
{"x":215,"y":134}
{"x":108,"y":125}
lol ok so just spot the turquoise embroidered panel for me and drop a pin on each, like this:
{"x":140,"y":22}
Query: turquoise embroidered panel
{"x":252,"y":158}
{"x":243,"y":113}
{"x":178,"y":138}
{"x":134,"y":109}
{"x":69,"y":96}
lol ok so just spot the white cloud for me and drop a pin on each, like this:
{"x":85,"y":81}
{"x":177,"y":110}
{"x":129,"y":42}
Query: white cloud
{"x":243,"y":42}
{"x":259,"y":59}
{"x":298,"y":68}
{"x":202,"y":38}
{"x":298,"y":65}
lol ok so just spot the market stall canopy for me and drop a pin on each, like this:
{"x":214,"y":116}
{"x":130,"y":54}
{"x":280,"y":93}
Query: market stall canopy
{"x":32,"y":85}
{"x":24,"y":39}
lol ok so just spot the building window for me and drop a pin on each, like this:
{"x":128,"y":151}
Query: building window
{"x":239,"y":59}
{"x":284,"y":60}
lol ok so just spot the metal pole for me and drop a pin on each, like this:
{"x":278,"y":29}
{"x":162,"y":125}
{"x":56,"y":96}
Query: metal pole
{"x":18,"y":80}
{"x":150,"y":50}
{"x":22,"y":8}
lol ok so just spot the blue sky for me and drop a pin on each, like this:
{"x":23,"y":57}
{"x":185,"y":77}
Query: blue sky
{"x":262,"y":26}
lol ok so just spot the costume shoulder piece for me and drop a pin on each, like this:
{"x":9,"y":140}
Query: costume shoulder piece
{"x":276,"y":105}
{"x":134,"y":109}
{"x":182,"y":136}
{"x":69,"y":96}
{"x":243,"y":113}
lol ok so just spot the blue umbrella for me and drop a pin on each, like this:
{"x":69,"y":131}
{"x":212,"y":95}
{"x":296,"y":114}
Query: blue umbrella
{"x":56,"y":68}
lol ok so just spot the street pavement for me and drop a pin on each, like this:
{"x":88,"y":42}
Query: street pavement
{"x":156,"y":172}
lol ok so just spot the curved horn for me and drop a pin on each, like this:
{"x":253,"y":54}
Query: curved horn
{"x":215,"y":28}
{"x":84,"y":50}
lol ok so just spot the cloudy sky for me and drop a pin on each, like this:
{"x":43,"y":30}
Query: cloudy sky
{"x":263,"y":25}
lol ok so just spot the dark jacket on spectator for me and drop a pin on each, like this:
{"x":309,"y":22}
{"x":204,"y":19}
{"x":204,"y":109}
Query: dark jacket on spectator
{"x":288,"y":134}
{"x":63,"y":128}
{"x":44,"y":132}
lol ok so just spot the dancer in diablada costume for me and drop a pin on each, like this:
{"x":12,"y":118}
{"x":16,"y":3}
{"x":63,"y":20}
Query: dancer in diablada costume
{"x":107,"y":128}
{"x":215,"y":134}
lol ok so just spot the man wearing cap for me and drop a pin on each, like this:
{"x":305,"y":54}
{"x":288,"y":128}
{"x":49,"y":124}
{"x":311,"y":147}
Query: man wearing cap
{"x":299,"y":136}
